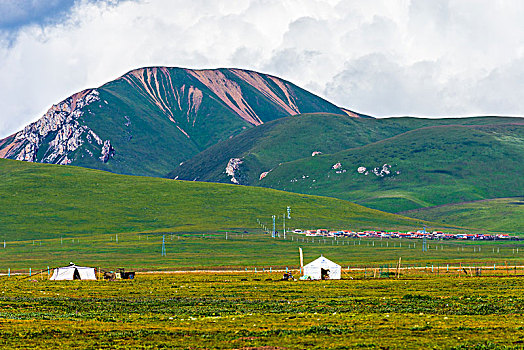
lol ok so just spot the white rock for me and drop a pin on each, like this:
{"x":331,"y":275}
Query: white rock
{"x":61,"y":118}
{"x":232,"y":168}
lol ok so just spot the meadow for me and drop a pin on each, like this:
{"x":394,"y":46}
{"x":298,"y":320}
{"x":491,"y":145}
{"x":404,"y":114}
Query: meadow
{"x":43,"y":201}
{"x":255,"y":311}
{"x":247,"y":251}
{"x":436,"y":165}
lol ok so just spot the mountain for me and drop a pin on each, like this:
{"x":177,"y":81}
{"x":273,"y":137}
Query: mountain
{"x":151,"y":119}
{"x":48,"y":201}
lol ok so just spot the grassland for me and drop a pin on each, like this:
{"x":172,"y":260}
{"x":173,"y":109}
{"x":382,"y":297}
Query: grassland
{"x":246,"y":252}
{"x":245,"y":311}
{"x":436,"y":165}
{"x":441,"y":161}
{"x":288,"y":139}
{"x":42,"y":201}
{"x":58,"y":213}
{"x":500,"y":214}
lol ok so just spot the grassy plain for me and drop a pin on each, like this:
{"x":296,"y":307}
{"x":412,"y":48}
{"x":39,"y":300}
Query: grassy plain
{"x":246,"y":311}
{"x":241,"y":251}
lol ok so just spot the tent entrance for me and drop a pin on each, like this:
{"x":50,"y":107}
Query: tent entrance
{"x":324,"y":274}
{"x":76,"y":275}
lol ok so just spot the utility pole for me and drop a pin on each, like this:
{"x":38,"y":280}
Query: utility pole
{"x":284,"y":224}
{"x":424,"y":241}
{"x":274,"y":229}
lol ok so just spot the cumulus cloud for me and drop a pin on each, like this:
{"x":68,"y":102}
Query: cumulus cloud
{"x":379,"y":57}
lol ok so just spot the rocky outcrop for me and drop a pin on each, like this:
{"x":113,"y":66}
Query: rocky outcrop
{"x":233,"y":170}
{"x":383,"y":171}
{"x":263,"y":175}
{"x":107,"y":151}
{"x":54,"y":137}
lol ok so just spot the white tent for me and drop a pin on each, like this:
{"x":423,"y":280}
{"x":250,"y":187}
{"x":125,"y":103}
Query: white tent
{"x":73,"y":272}
{"x":322,"y":269}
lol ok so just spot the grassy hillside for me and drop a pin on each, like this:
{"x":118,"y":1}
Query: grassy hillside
{"x":435,"y":165}
{"x":500,"y":214}
{"x":44,"y":201}
{"x":283,"y":140}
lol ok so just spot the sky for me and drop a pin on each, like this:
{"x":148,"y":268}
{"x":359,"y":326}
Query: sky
{"x":426,"y":58}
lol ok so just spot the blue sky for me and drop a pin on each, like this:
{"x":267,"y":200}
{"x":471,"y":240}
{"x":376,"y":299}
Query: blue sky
{"x":15,"y":14}
{"x":379,"y":57}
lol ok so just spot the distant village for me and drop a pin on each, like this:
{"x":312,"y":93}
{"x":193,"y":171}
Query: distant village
{"x":420,"y":234}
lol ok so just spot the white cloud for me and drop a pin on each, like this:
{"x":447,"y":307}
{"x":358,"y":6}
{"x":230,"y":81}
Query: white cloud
{"x":380,"y":57}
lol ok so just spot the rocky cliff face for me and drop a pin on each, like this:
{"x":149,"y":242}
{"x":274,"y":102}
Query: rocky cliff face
{"x":58,"y":134}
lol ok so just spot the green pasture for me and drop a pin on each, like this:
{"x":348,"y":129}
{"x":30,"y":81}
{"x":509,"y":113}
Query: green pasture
{"x":255,"y":311}
{"x":42,"y":201}
{"x":436,"y":166}
{"x":249,"y":251}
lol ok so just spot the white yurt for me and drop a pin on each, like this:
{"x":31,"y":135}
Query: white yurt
{"x":322,"y":269}
{"x":73,"y":272}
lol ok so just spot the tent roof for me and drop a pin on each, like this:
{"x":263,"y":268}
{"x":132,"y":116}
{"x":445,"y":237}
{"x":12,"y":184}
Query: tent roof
{"x":73,"y":266}
{"x":321,"y":262}
{"x":72,"y":271}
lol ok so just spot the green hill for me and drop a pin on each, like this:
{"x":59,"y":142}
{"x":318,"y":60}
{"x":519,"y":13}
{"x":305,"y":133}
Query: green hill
{"x":440,"y":160}
{"x":45,"y":201}
{"x":265,"y":146}
{"x":151,"y":119}
{"x":436,"y":165}
{"x":499,"y":214}
{"x":286,"y":139}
